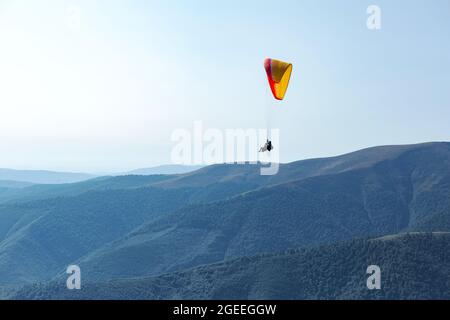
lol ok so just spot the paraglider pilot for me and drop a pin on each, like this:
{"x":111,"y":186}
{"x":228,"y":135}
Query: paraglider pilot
{"x":267,"y":146}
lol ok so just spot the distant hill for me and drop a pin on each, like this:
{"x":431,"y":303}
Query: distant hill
{"x":412,"y":267}
{"x":49,"y":191}
{"x":14,"y":184}
{"x":43,"y":177}
{"x":164,"y":169}
{"x":138,"y":178}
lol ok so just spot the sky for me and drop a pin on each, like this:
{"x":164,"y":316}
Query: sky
{"x":100,"y":86}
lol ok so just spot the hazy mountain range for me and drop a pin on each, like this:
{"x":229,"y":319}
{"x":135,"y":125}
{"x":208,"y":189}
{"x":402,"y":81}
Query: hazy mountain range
{"x":164,"y":169}
{"x":11,"y":178}
{"x":225,"y":231}
{"x":42,"y":176}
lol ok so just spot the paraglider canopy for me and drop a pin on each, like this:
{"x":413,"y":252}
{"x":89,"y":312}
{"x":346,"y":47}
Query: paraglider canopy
{"x":278,"y":74}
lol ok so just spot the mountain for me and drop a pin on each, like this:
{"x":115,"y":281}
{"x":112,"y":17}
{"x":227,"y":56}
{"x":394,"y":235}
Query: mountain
{"x":6,"y":184}
{"x":41,"y":176}
{"x":412,"y":266}
{"x":164,"y":169}
{"x":142,"y":226}
{"x":390,"y":196}
{"x":49,"y":191}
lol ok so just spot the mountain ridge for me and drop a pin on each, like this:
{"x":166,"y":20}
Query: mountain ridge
{"x":43,"y":176}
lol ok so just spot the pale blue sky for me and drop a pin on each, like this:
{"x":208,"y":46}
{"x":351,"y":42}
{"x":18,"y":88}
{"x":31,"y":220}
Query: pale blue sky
{"x":107,"y":96}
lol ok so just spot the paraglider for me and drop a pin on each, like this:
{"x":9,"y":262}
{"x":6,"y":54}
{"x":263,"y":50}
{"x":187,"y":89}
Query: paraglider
{"x":278,"y":74}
